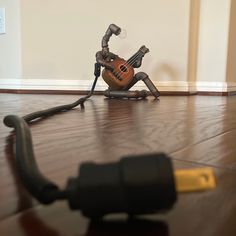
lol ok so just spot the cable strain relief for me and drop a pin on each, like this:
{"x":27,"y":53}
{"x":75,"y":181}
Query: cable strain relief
{"x":47,"y":194}
{"x":72,"y":193}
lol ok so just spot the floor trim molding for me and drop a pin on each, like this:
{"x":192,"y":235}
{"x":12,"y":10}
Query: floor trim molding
{"x":54,"y":86}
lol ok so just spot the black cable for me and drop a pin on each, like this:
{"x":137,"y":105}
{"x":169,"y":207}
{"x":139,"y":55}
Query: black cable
{"x":136,"y":185}
{"x":54,"y":110}
{"x":40,"y":187}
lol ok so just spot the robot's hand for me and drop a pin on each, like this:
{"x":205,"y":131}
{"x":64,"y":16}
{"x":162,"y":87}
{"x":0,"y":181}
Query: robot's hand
{"x":105,"y":60}
{"x":109,"y":66}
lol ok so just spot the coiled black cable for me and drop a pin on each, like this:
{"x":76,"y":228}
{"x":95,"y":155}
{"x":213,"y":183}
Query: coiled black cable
{"x":135,"y":185}
{"x":40,"y":187}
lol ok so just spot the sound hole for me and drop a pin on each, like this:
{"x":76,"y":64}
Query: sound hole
{"x":123,"y":68}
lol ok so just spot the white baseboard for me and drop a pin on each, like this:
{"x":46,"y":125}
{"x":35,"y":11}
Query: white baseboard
{"x":49,"y":84}
{"x":231,"y":87}
{"x":211,"y":86}
{"x":55,"y":84}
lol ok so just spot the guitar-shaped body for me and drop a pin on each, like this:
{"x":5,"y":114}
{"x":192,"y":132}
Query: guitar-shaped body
{"x":121,"y":75}
{"x":123,"y":72}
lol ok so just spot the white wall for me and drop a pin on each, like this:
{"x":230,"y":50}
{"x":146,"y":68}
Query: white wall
{"x":10,"y":48}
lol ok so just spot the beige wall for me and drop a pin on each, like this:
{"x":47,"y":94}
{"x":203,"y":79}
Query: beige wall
{"x":52,"y":44}
{"x":213,"y":40}
{"x":60,"y":38}
{"x":231,"y":69}
{"x":10,"y":49}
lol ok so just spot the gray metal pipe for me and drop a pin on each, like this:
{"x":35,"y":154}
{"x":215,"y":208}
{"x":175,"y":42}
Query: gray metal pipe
{"x":125,"y":94}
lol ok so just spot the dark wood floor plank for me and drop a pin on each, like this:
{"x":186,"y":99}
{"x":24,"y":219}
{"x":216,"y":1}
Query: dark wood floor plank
{"x":209,"y":213}
{"x":194,"y":130}
{"x":218,"y":151}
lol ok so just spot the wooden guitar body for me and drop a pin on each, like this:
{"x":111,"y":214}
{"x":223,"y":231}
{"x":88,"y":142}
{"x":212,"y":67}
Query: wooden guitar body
{"x":121,"y":76}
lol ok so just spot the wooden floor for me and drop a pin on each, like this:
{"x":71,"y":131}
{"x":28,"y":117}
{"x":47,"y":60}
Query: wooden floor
{"x":195,"y":131}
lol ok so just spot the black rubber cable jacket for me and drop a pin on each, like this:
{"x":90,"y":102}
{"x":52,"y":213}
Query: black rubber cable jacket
{"x":54,"y":110}
{"x":40,"y":187}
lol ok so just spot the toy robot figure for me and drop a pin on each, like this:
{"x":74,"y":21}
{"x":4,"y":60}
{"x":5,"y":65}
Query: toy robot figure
{"x":119,"y":73}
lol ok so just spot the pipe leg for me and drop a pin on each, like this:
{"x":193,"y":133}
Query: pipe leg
{"x":125,"y":94}
{"x":145,"y":78}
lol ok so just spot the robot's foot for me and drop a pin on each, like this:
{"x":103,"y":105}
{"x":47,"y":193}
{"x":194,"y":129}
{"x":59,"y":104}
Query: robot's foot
{"x":125,"y":94}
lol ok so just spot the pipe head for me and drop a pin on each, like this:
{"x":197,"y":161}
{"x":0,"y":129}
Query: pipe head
{"x":115,"y":29}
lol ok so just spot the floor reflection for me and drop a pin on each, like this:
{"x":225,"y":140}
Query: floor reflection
{"x":134,"y":227}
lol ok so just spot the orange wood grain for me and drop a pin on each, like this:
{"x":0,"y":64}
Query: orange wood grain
{"x":125,"y":76}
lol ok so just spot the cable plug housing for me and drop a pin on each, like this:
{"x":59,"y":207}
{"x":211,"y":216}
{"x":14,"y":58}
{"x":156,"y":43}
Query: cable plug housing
{"x":135,"y":185}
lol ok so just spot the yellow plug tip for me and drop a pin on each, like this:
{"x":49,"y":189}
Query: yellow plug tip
{"x":199,"y":179}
